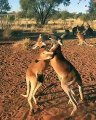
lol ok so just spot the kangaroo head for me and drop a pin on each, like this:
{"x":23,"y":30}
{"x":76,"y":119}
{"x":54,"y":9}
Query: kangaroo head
{"x":39,"y":43}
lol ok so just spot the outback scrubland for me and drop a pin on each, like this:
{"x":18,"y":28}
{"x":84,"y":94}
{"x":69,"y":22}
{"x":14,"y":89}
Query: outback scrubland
{"x":52,"y":101}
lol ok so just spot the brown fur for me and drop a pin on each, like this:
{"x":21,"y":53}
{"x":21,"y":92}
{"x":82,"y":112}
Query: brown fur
{"x":34,"y":75}
{"x":67,"y":74}
{"x":81,"y":39}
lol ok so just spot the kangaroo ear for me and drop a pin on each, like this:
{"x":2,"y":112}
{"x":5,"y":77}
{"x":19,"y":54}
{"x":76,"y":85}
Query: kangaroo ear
{"x":39,"y":38}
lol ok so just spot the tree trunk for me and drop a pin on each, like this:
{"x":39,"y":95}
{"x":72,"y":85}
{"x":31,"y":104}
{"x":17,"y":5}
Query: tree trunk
{"x":7,"y":23}
{"x":1,"y":23}
{"x":26,"y":22}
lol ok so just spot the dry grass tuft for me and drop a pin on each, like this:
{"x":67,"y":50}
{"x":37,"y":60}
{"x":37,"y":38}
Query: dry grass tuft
{"x":7,"y":33}
{"x":22,"y":45}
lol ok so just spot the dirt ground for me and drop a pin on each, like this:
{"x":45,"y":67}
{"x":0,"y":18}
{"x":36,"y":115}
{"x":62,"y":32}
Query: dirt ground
{"x":52,"y":101}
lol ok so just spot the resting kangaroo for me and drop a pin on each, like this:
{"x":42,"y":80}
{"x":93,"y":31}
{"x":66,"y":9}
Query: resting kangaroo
{"x":81,"y":39}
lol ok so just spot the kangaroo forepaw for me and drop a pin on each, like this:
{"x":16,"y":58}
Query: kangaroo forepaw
{"x":24,"y":95}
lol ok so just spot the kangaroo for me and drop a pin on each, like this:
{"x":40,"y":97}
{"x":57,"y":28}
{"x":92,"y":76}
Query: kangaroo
{"x":34,"y":74}
{"x":81,"y":39}
{"x":66,"y":73}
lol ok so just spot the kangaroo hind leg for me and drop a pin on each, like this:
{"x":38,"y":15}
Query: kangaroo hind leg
{"x":28,"y":88}
{"x":70,"y":95}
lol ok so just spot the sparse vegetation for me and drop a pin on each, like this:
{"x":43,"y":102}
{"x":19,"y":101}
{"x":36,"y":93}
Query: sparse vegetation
{"x":22,"y":45}
{"x":18,"y":34}
{"x":41,"y":9}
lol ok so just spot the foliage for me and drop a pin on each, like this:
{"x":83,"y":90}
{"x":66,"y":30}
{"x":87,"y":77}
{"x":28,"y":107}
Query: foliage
{"x":92,"y":9}
{"x":4,"y":6}
{"x":41,"y":9}
{"x":7,"y":32}
{"x":84,"y":17}
{"x":11,"y":18}
{"x":56,"y":15}
{"x":65,"y":15}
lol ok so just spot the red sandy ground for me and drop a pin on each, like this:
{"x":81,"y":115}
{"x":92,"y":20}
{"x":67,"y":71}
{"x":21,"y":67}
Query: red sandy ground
{"x":52,"y":101}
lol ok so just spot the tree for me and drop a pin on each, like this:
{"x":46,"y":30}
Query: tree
{"x":65,"y":15}
{"x":41,"y":9}
{"x":4,"y":6}
{"x":55,"y":15}
{"x":84,"y":17}
{"x":92,"y":9}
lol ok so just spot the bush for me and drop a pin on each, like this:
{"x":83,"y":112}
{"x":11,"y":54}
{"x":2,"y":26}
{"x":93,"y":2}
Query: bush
{"x":7,"y":32}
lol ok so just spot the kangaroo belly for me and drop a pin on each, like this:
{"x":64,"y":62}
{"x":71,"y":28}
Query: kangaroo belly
{"x":59,"y":68}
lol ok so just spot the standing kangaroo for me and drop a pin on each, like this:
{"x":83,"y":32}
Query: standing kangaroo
{"x":34,"y":74}
{"x":67,"y":74}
